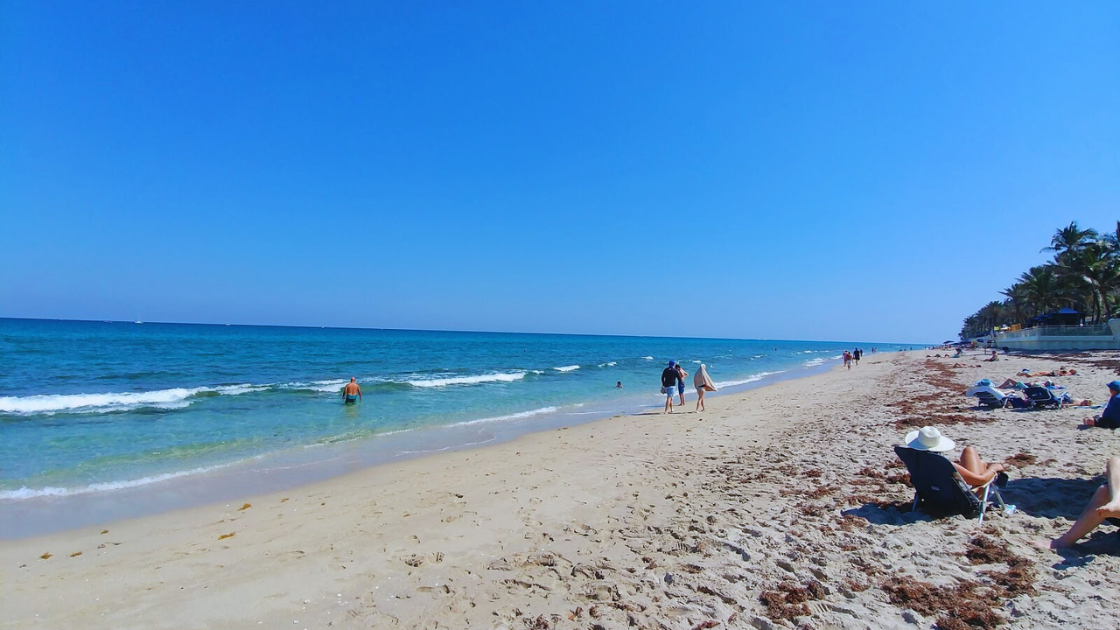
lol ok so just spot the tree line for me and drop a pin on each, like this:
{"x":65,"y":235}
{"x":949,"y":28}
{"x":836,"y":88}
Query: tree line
{"x":1084,"y":275}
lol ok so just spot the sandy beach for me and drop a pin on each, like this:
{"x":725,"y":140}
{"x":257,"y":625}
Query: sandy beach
{"x":783,"y":506}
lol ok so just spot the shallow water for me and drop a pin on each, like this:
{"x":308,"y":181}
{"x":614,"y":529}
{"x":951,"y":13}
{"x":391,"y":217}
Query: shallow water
{"x":93,"y":407}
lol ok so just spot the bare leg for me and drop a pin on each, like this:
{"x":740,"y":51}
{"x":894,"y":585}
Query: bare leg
{"x":970,"y":459}
{"x":700,"y":399}
{"x":682,"y":397}
{"x":669,"y":403}
{"x":1104,"y":504}
{"x":1112,"y":508}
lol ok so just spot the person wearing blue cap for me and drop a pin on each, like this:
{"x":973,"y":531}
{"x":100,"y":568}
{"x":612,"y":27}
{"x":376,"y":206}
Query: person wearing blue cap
{"x":1110,"y":417}
{"x":669,"y":378}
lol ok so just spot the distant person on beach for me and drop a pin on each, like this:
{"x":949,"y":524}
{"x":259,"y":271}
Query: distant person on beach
{"x":855,"y":356}
{"x":669,"y":385}
{"x":993,"y":357}
{"x":847,"y":359}
{"x":680,"y":381}
{"x":618,"y":385}
{"x":1105,"y":505}
{"x":703,"y":384}
{"x":352,"y":393}
{"x":1110,"y":417}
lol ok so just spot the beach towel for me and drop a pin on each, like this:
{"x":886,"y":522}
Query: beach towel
{"x":703,"y":380}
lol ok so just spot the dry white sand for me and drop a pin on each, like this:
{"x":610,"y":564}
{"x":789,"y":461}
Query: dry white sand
{"x":779,"y":502}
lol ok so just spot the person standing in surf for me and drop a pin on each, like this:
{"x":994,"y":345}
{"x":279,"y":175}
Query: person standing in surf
{"x":352,"y":393}
{"x":669,"y":379}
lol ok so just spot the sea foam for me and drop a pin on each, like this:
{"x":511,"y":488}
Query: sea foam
{"x":53,"y":491}
{"x":113,"y":401}
{"x":498,"y":377}
{"x":566,"y":368}
{"x":754,"y":378}
{"x":512,"y":416}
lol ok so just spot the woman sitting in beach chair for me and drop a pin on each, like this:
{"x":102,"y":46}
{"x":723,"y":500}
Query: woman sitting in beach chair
{"x":933,"y":481}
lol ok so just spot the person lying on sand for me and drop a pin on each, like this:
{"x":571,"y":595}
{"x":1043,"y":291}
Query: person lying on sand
{"x":1110,"y":417}
{"x":1105,"y":505}
{"x":974,"y":470}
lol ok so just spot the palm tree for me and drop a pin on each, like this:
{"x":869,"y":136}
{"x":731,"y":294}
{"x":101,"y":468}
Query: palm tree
{"x":1113,"y":239}
{"x":1017,"y":300}
{"x":1040,"y":288}
{"x":1095,"y":268}
{"x":991,"y":314}
{"x":1070,"y":238}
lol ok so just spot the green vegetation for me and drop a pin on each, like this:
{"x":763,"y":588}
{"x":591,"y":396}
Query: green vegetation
{"x":1084,"y":276}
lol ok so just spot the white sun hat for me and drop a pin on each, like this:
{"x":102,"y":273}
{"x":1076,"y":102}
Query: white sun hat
{"x":928,"y":439}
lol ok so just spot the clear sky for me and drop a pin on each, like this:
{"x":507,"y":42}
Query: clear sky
{"x":795,"y":170}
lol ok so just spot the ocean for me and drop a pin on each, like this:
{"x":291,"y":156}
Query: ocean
{"x":95,"y":408}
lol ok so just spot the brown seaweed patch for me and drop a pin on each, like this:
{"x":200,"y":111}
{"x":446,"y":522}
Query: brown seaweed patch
{"x":788,"y":601}
{"x":1021,"y":459}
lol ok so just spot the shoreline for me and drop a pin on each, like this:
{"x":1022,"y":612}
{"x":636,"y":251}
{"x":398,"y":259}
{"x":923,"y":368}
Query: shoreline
{"x":647,"y":521}
{"x":303,"y":465}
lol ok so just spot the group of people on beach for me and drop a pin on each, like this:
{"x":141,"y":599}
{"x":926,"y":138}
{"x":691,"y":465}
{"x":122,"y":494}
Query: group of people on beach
{"x":672,"y":384}
{"x":853,"y":357}
{"x":1105,"y":502}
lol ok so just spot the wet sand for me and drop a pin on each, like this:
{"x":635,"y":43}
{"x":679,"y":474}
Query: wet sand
{"x":782,"y":506}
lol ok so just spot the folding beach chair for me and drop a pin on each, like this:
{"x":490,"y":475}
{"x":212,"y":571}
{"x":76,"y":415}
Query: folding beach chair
{"x":990,"y":399}
{"x":939,"y":488}
{"x":1041,"y":397}
{"x":987,"y":395}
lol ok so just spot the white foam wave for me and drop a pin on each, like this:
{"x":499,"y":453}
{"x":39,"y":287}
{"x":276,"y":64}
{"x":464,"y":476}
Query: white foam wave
{"x":814,"y":362}
{"x":648,"y":358}
{"x":113,"y":401}
{"x":497,"y":377}
{"x":331,"y":386}
{"x":566,"y":368}
{"x":754,"y":378}
{"x":512,"y":416}
{"x":608,"y":364}
{"x":52,"y":491}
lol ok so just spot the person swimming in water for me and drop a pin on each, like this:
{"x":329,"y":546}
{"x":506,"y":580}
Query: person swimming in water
{"x":352,"y":393}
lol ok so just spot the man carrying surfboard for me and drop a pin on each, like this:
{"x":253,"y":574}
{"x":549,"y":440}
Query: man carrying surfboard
{"x":352,"y":393}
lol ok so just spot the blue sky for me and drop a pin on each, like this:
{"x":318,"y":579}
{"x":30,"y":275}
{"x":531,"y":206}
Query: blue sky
{"x":841,"y":171}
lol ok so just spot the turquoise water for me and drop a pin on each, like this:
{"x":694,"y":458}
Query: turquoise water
{"x":98,"y":406}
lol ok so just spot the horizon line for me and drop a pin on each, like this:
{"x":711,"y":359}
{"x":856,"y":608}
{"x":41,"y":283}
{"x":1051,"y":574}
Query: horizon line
{"x":442,"y":330}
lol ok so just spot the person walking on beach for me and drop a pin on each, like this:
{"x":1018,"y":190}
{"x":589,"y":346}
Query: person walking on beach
{"x":855,"y":356}
{"x":352,"y":393}
{"x":680,"y":382}
{"x":847,"y":359}
{"x":703,"y":384}
{"x":669,"y":379}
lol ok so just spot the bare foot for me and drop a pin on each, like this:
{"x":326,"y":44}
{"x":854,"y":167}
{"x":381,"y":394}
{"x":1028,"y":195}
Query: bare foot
{"x":1045,"y":545}
{"x":1110,"y":509}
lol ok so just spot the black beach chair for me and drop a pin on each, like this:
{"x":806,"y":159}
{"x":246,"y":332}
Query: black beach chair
{"x":938,"y":487}
{"x":1042,"y":397}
